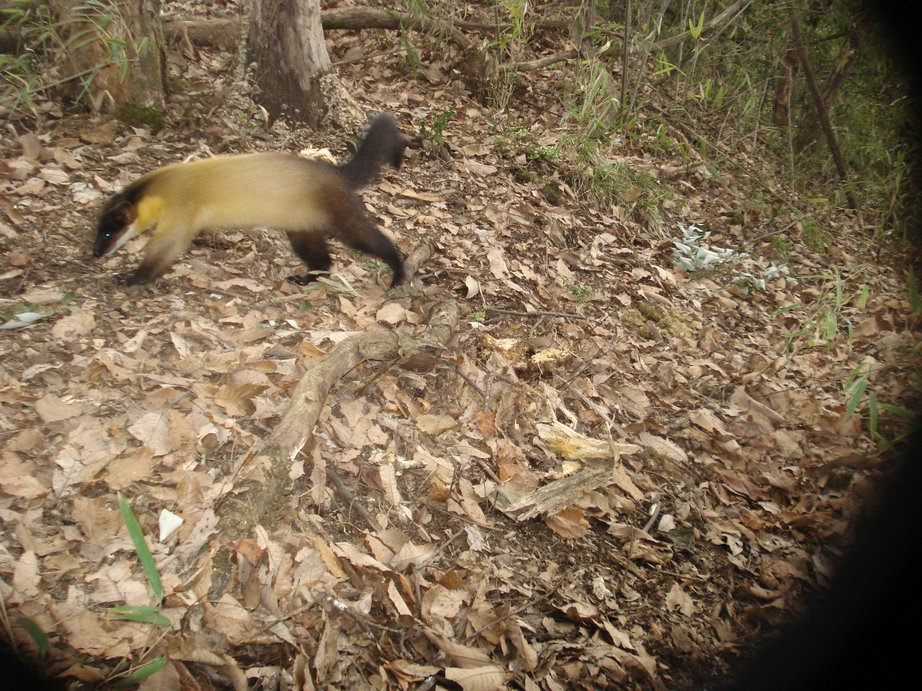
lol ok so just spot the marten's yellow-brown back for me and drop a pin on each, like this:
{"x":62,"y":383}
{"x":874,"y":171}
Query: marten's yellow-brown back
{"x":274,"y":190}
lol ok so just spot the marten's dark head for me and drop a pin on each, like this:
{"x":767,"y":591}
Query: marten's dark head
{"x":117,"y":217}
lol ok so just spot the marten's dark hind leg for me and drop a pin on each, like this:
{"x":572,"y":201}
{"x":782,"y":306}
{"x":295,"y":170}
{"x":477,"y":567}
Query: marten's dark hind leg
{"x":354,"y":227}
{"x":311,"y":247}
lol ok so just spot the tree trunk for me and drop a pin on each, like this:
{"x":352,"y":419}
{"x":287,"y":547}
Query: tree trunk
{"x":286,"y":44}
{"x":810,"y":128}
{"x":821,"y":110}
{"x":115,"y":52}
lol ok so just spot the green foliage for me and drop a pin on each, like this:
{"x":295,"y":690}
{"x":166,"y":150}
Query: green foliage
{"x":663,"y":66}
{"x":510,"y":37}
{"x":827,"y":319}
{"x":708,"y":94}
{"x":19,"y":81}
{"x":652,"y":136}
{"x":19,"y":308}
{"x":143,"y":672}
{"x":52,"y":41}
{"x":549,"y":154}
{"x":513,"y":30}
{"x":780,"y":247}
{"x":594,"y":105}
{"x":582,"y":163}
{"x":612,"y":182}
{"x":696,"y":28}
{"x":409,"y":50}
{"x":815,"y":236}
{"x":508,"y":141}
{"x":826,"y":323}
{"x":434,"y":132}
{"x":143,"y":614}
{"x":371,"y":265}
{"x":858,"y":391}
{"x":868,"y":115}
{"x":418,"y":8}
{"x":579,"y":291}
{"x":523,"y":174}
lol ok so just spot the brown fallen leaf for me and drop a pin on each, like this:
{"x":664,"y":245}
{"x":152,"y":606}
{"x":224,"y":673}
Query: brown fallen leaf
{"x":486,"y":678}
{"x":52,"y":408}
{"x":570,"y":524}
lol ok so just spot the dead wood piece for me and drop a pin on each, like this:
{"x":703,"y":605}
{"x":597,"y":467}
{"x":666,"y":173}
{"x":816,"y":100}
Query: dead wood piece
{"x":546,"y":61}
{"x":255,"y":500}
{"x":308,"y":398}
{"x":538,"y":313}
{"x":223,"y":34}
{"x":369,"y":18}
{"x":560,"y":494}
{"x":421,"y":254}
{"x":421,"y":354}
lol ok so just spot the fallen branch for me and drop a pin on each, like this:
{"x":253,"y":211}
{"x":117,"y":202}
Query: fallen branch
{"x":279,"y":450}
{"x":224,"y":34}
{"x":560,"y":494}
{"x":354,"y":18}
{"x":260,"y":484}
{"x":546,"y":61}
{"x":420,"y":255}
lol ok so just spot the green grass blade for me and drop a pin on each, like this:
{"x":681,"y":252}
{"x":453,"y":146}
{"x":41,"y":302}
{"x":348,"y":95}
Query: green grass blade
{"x":873,"y":415}
{"x":141,"y":673}
{"x":140,"y":613}
{"x":140,"y":546}
{"x":857,"y":390}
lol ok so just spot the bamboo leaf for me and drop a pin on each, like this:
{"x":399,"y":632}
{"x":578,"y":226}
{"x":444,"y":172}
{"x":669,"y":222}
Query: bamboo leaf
{"x":857,"y":390}
{"x":36,"y":634}
{"x":143,"y":672}
{"x":141,"y":547}
{"x":142,"y":613}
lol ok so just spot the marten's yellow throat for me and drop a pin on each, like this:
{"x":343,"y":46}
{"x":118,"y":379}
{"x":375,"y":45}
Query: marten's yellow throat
{"x":310,"y":200}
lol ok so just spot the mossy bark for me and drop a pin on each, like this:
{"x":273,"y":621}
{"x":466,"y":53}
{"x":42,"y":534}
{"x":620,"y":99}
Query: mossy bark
{"x":115,"y":55}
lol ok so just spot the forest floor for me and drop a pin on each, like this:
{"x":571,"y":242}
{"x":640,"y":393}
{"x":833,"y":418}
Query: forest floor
{"x":715,"y":409}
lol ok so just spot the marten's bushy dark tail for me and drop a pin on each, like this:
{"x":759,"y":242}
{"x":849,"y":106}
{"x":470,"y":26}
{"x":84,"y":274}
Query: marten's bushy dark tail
{"x":383,"y":143}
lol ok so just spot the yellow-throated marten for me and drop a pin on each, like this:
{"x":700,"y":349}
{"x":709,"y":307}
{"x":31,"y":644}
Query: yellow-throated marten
{"x":310,"y":200}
